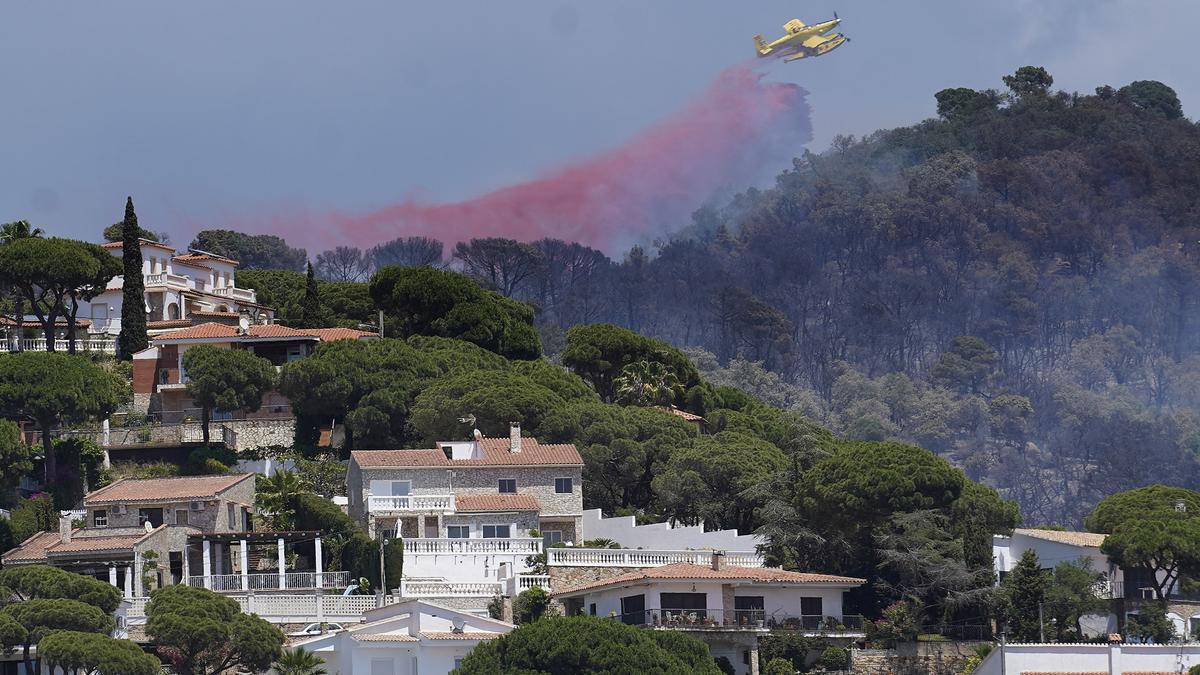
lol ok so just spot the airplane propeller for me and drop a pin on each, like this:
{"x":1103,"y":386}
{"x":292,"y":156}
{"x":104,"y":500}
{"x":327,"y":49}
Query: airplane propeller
{"x":836,"y":16}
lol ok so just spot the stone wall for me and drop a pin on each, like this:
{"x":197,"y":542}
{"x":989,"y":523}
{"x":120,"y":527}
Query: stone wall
{"x":237,"y":434}
{"x":919,"y":658}
{"x":562,"y":577}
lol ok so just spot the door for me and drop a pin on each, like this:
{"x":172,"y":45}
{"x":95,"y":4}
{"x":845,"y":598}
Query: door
{"x":687,"y":605}
{"x":383,"y":667}
{"x":633,"y":610}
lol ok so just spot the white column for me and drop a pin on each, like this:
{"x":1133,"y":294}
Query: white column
{"x":320,"y":563}
{"x":207,"y":554}
{"x":282,"y":564}
{"x":138,"y":591}
{"x":129,"y":581}
{"x":245,"y":566}
{"x":112,"y":575}
{"x":187,"y":568}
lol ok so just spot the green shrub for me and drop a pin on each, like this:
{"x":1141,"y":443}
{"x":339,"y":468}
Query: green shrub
{"x":725,"y":666}
{"x":143,"y":470}
{"x":835,"y":658}
{"x":530,"y":605}
{"x":207,"y":461}
{"x":778,"y":666}
{"x":33,"y":515}
{"x":495,"y":607}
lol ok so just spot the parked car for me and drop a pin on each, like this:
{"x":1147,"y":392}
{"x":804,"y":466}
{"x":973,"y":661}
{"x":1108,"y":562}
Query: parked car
{"x":315,"y":629}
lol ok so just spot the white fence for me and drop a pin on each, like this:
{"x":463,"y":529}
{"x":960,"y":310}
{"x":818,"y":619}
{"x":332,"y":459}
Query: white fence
{"x":105,"y":345}
{"x":626,"y":531}
{"x":271,"y":581}
{"x":380,"y":504}
{"x":517,"y":545}
{"x":278,"y":608}
{"x":450,"y":589}
{"x":524,"y":582}
{"x":627,"y":557}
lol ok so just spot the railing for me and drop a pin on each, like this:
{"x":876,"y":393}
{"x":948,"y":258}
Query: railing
{"x":742,"y":619}
{"x":278,"y":608}
{"x":105,"y":345}
{"x":166,"y":279}
{"x":382,"y":503}
{"x":519,"y":546}
{"x":524,"y":582}
{"x":450,"y":589}
{"x":628,"y":557}
{"x":235,"y":293}
{"x":270,"y":581}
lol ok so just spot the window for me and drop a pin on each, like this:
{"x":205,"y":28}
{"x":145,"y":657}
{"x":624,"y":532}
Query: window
{"x":100,"y":518}
{"x":232,"y":511}
{"x":458,"y":531}
{"x":495,"y":531}
{"x":563,"y":486}
{"x":633,"y":610}
{"x":181,"y":517}
{"x":401,"y":488}
{"x":685,"y":603}
{"x":152,"y":516}
{"x":551,"y":537}
{"x":508,"y":485}
{"x":748,"y":609}
{"x":811,"y":613}
{"x":592,"y":609}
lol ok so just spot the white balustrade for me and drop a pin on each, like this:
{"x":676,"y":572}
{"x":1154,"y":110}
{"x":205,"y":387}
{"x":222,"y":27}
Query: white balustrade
{"x":450,"y":589}
{"x":270,"y":581}
{"x":383,"y":503}
{"x":108,"y":346}
{"x":627,"y":557}
{"x":524,"y":582}
{"x":518,"y":545}
{"x":156,"y":279}
{"x":278,"y":608}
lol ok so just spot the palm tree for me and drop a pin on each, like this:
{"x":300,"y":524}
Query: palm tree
{"x":10,"y":232}
{"x":299,"y":661}
{"x":647,"y":383}
{"x":275,"y":496}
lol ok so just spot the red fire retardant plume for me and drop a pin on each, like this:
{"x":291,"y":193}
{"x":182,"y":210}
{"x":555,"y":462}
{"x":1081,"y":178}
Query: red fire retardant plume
{"x":736,"y":129}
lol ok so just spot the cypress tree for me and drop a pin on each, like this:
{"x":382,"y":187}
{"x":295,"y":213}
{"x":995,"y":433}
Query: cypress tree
{"x":133,"y":304}
{"x":310,"y":311}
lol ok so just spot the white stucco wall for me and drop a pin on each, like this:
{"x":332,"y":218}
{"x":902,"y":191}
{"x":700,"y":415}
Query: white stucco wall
{"x":660,"y":536}
{"x":777,"y":601}
{"x":1071,"y":658}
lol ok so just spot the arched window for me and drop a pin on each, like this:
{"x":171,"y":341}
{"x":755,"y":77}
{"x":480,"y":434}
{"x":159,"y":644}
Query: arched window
{"x":172,"y":312}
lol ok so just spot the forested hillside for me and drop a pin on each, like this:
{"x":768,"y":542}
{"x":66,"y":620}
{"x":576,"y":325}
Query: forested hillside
{"x":1011,"y":285}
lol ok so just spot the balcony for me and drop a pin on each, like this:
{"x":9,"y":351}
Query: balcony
{"x":242,"y":294}
{"x":101,"y":345}
{"x":167,"y":279}
{"x":289,"y":581}
{"x":626,"y":557}
{"x":410,"y":503}
{"x":513,"y":546}
{"x":743,"y":619}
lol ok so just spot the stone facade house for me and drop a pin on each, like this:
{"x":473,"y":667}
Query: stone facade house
{"x":488,"y":488}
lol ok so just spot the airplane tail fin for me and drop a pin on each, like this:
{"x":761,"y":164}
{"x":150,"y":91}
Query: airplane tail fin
{"x":761,"y":44}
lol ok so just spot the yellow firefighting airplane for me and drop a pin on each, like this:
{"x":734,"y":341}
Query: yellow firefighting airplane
{"x":802,"y":40}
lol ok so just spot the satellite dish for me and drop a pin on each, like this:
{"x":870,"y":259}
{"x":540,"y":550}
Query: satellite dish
{"x":457,"y":625}
{"x":244,"y":322}
{"x":148,"y":526}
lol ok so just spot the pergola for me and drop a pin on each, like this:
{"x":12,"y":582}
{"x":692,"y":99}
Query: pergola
{"x":215,"y":577}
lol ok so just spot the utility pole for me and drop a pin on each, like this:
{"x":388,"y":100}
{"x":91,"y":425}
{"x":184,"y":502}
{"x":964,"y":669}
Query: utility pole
{"x":1041,"y":626}
{"x":382,"y":570}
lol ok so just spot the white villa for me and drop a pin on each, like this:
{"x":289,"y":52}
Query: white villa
{"x":178,"y":288}
{"x":726,"y":606}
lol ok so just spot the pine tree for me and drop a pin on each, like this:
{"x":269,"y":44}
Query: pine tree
{"x":133,"y":304}
{"x":310,"y":311}
{"x":1024,"y":590}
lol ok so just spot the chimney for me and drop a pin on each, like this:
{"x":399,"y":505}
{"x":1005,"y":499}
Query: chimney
{"x":718,"y":560}
{"x":64,"y":529}
{"x":514,"y":437}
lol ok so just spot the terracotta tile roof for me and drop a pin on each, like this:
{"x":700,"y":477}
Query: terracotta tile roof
{"x":1072,"y":538}
{"x":143,"y":242}
{"x":172,"y":323}
{"x":96,"y":544}
{"x":32,"y":549}
{"x":383,"y":637}
{"x":494,"y":450}
{"x":459,"y":636}
{"x":332,"y":334}
{"x":202,"y":257}
{"x":200,"y":332}
{"x":201,"y":312}
{"x":32,"y":322}
{"x":275,"y":330}
{"x":178,"y":260}
{"x":164,"y":489}
{"x":689,"y":572}
{"x":508,"y":502}
{"x":683,"y":414}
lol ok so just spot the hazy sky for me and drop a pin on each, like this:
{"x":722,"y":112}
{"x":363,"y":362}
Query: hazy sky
{"x":211,"y":112}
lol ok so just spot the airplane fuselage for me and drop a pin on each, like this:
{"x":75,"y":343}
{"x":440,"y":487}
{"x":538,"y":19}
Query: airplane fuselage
{"x":791,"y":46}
